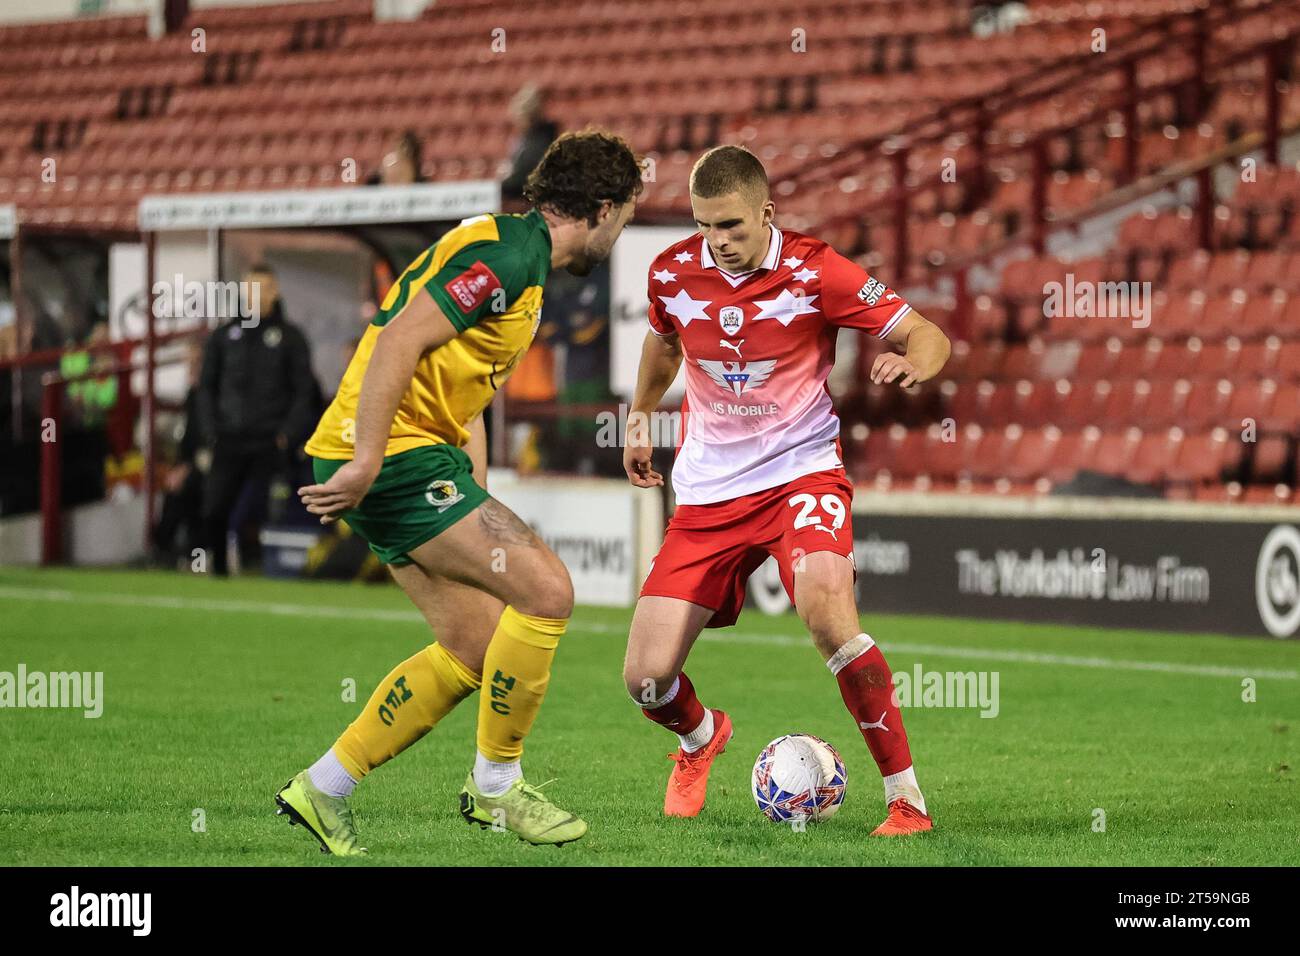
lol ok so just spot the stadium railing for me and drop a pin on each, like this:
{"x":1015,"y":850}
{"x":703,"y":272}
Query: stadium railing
{"x":121,"y":424}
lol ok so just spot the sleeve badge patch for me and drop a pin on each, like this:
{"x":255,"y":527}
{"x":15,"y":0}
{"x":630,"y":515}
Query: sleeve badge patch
{"x":472,"y":287}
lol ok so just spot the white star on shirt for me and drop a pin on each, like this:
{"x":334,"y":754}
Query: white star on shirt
{"x":684,"y":256}
{"x":786,"y":307}
{"x":792,"y":262}
{"x":803,"y":275}
{"x":663,"y":275}
{"x":683,"y":308}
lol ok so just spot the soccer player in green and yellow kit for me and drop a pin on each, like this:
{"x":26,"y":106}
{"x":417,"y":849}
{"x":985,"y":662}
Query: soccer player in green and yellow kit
{"x":400,"y":455}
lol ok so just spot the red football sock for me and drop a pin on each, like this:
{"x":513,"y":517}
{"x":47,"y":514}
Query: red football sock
{"x":682,"y":712}
{"x":867,"y":686}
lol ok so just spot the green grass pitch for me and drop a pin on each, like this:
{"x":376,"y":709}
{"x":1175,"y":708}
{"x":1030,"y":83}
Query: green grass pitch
{"x":217,"y":692}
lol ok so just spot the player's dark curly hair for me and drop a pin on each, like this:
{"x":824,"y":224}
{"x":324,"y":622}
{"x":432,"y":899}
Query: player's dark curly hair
{"x":582,"y":170}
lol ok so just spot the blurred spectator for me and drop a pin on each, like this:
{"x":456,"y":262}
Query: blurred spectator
{"x":533,"y":380}
{"x":257,"y":397}
{"x":8,"y":350}
{"x":401,"y":164}
{"x":581,"y":309}
{"x":8,"y":340}
{"x":88,"y":406}
{"x":382,"y":278}
{"x":179,"y":529}
{"x":533,"y":133}
{"x":997,"y":16}
{"x":346,"y":351}
{"x":91,"y":398}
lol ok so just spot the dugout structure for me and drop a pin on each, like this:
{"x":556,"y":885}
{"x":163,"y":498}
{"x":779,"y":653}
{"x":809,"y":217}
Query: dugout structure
{"x":186,"y":236}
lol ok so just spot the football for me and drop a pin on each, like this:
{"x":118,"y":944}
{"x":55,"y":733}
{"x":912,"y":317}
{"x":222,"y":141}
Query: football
{"x":798,"y":777}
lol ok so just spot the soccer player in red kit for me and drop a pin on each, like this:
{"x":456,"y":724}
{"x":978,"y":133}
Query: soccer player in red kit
{"x":753,"y":311}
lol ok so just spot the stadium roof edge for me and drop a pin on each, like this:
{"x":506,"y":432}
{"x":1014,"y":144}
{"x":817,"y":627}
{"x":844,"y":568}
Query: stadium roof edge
{"x":289,"y":208}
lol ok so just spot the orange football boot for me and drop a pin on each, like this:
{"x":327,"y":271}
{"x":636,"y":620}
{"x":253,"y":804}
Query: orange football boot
{"x":690,"y":776}
{"x":903,"y":819}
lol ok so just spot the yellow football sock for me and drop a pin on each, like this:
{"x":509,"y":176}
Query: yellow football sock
{"x":516,"y":670}
{"x":415,"y":695}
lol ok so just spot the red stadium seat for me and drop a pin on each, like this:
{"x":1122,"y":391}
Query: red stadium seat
{"x":1074,"y":451}
{"x":1188,"y":273}
{"x":1259,"y":359}
{"x":1128,"y":402}
{"x":1115,"y":451}
{"x":988,"y":459}
{"x":1035,"y":403}
{"x":1217,"y":359}
{"x":1271,"y":459}
{"x":945,"y":451}
{"x":1251,"y":402}
{"x":1268,"y":495}
{"x":1268,"y":269}
{"x":1227,"y":270}
{"x":910,"y":454}
{"x":1218,"y":493}
{"x":1203,"y":457}
{"x":1171,"y":360}
{"x":1183,"y":315}
{"x":1225,"y":315}
{"x":1021,"y":361}
{"x":1288,"y":359}
{"x":1284,"y":416}
{"x":1207,"y":404}
{"x":1084,"y":404}
{"x":1153,"y":457}
{"x":1033,"y":454}
{"x":1098,"y":360}
{"x":877,"y":451}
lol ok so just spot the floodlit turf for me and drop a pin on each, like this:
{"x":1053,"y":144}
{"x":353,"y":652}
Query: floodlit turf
{"x":217,"y":692}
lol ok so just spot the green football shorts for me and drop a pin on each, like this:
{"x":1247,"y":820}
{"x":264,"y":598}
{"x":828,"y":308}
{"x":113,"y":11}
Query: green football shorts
{"x":417,"y":495}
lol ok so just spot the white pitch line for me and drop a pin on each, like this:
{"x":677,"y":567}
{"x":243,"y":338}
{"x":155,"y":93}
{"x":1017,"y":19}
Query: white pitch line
{"x":736,"y":637}
{"x":984,"y":653}
{"x":202,"y":604}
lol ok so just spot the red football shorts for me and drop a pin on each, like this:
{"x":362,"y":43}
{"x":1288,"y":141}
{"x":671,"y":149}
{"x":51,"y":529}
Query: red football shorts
{"x":709,"y":551}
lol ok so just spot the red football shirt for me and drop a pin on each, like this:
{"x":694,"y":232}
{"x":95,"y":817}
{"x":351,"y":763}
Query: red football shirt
{"x":758,"y":348}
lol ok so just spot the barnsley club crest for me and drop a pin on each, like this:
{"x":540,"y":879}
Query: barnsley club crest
{"x":731,"y":317}
{"x":738,"y":377}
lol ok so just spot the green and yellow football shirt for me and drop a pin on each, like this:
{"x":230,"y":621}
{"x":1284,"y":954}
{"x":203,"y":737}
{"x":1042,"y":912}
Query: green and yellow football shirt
{"x":486,"y":275}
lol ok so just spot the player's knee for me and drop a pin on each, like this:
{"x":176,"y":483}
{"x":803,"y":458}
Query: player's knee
{"x":552,"y":594}
{"x":632,"y":680}
{"x":561,"y":590}
{"x":821,"y":606}
{"x":813,"y":595}
{"x":647,"y":688}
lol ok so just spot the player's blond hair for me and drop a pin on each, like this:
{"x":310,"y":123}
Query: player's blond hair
{"x":729,"y":169}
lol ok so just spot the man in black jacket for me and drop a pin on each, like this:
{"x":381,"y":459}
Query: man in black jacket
{"x":533,"y":134}
{"x":257,"y":398}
